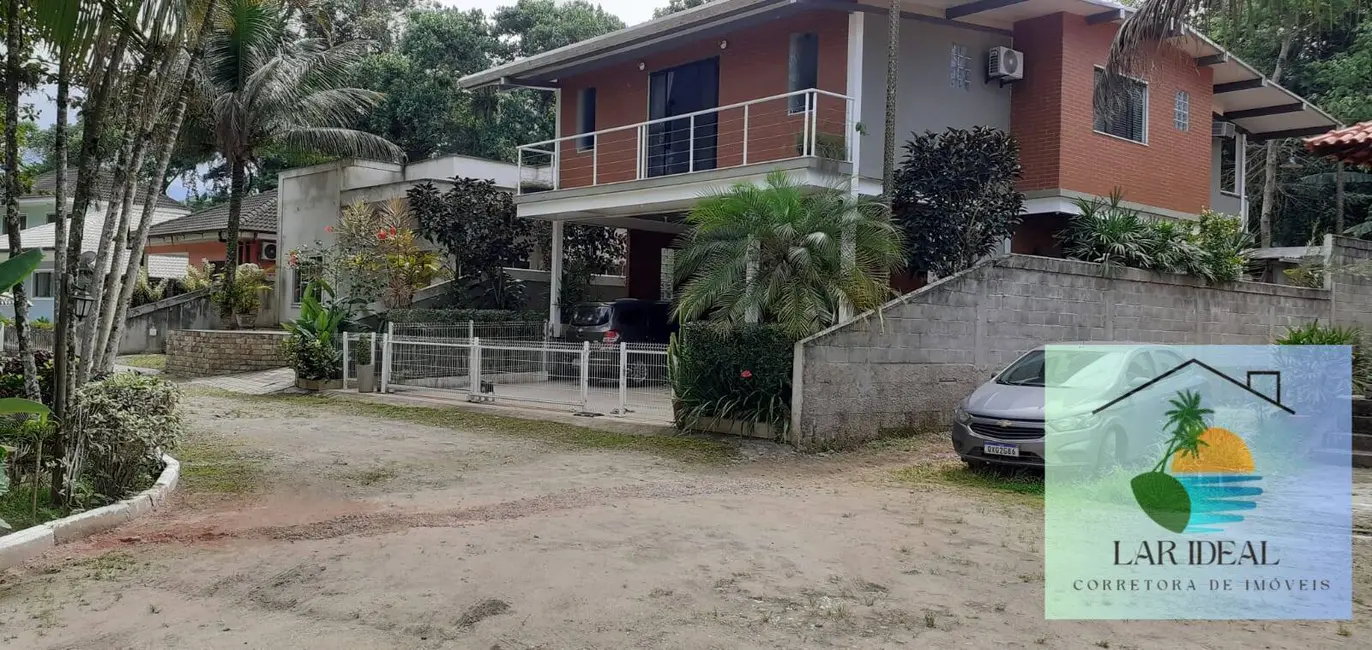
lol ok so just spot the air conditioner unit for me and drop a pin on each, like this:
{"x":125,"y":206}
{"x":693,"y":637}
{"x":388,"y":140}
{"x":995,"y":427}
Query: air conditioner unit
{"x":1220,"y":129}
{"x":1004,"y":64}
{"x":269,"y":251}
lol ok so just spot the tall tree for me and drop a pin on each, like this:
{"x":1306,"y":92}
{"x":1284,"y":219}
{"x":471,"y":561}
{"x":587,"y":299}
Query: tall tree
{"x":264,"y":88}
{"x":16,"y":54}
{"x":1269,"y":182}
{"x":534,"y":26}
{"x":674,"y":6}
{"x":888,"y":152}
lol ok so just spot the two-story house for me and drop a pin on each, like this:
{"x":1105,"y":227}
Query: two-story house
{"x":652,"y":117}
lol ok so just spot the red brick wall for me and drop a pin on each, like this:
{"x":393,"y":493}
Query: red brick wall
{"x":206,"y":250}
{"x":1052,"y":117}
{"x":754,"y":65}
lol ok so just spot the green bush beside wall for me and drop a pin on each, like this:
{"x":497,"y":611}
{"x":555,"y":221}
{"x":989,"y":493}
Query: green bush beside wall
{"x":736,"y":373}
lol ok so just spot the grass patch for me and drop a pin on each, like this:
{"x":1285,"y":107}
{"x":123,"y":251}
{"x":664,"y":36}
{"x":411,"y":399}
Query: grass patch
{"x":683,"y":448}
{"x":16,"y":507}
{"x":151,"y":361}
{"x":217,"y":467}
{"x":1020,"y":485}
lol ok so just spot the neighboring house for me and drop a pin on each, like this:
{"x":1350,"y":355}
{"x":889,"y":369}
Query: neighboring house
{"x":39,"y":208}
{"x":311,"y":199}
{"x":652,"y":117}
{"x":200,"y":236}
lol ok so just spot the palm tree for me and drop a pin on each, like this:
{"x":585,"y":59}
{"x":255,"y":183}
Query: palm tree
{"x":1187,"y":421}
{"x":773,"y":253}
{"x":888,"y":155}
{"x":263,"y":87}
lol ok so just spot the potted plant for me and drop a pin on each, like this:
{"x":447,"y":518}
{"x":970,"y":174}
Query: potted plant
{"x":311,"y":349}
{"x":243,"y":298}
{"x":366,"y":374}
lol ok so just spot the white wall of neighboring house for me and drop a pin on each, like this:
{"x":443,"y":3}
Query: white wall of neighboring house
{"x":311,"y":199}
{"x":40,"y":234}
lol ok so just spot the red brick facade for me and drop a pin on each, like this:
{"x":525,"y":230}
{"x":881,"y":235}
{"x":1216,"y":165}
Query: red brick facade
{"x":753,"y":65}
{"x":1052,"y":117}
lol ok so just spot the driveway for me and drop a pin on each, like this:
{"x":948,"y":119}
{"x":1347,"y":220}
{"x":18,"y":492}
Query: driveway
{"x":309,"y":524}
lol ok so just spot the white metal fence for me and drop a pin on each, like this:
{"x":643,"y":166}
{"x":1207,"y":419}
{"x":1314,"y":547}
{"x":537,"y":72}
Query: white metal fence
{"x":516,"y":362}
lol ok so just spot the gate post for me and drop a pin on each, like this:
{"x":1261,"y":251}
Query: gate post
{"x":345,"y":360}
{"x":623,"y":378}
{"x":585,"y":372}
{"x":387,"y":351}
{"x":474,"y":371}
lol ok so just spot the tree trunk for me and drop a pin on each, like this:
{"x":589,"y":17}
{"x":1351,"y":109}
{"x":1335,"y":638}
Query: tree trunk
{"x":64,"y":346}
{"x":888,"y":159}
{"x":235,"y":215}
{"x":14,"y":50}
{"x":1269,"y":181}
{"x":166,"y":142}
{"x":59,"y":152}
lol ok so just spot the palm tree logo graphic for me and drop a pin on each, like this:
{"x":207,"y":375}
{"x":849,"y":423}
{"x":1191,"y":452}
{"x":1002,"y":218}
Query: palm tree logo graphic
{"x":1212,"y":480}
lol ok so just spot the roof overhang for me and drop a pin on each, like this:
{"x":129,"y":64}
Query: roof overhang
{"x":1243,"y":95}
{"x":1352,"y":144}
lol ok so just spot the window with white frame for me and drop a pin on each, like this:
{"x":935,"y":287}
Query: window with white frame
{"x":1181,"y":111}
{"x":1126,"y":116}
{"x":42,"y":284}
{"x":959,"y":67}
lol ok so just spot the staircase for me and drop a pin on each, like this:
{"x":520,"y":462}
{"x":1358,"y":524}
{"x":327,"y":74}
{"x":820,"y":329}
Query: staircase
{"x":1362,"y":433}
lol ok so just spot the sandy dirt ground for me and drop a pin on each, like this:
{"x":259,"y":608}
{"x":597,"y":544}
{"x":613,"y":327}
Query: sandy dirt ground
{"x":300,"y":527}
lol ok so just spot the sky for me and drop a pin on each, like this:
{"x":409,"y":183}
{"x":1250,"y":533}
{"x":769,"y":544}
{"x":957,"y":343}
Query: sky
{"x":630,"y":11}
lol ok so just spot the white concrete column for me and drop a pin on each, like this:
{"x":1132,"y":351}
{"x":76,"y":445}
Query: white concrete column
{"x":856,"y":21}
{"x":555,"y":282}
{"x":1241,"y":172}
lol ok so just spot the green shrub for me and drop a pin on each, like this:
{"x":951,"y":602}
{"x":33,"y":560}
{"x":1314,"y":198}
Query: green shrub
{"x":731,"y":372}
{"x":128,"y":421}
{"x":1316,"y":334}
{"x":460,"y":316}
{"x":1112,"y":235}
{"x":42,"y":324}
{"x":312,"y":358}
{"x":12,"y":375}
{"x":364,"y":350}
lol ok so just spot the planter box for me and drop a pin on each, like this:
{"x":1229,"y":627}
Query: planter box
{"x":730,"y":426}
{"x":318,"y":384}
{"x":366,"y":378}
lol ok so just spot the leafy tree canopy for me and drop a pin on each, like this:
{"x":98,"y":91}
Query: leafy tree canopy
{"x":674,"y":6}
{"x":954,"y":197}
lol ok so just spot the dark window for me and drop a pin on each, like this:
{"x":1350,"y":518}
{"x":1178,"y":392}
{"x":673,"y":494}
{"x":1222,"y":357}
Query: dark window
{"x":52,"y":218}
{"x":589,"y":315}
{"x":585,"y":117}
{"x":42,"y":284}
{"x":299,"y":280}
{"x":1229,"y":165}
{"x":803,"y":71}
{"x":1128,"y":117}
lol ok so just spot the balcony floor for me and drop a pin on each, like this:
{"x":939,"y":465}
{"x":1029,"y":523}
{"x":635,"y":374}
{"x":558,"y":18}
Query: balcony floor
{"x":633,"y":204}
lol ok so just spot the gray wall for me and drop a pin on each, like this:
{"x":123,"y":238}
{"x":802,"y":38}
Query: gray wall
{"x":148,"y":326}
{"x":1219,"y":202}
{"x":932,"y":347}
{"x":927,"y":100}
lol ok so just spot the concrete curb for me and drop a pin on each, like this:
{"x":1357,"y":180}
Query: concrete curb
{"x":16,"y":548}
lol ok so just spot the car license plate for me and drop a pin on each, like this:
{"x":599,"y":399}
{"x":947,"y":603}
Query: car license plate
{"x":993,"y":449}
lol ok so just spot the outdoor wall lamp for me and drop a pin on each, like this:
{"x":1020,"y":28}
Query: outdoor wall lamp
{"x":82,"y":300}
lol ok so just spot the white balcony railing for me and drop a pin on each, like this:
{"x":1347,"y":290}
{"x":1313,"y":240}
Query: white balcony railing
{"x":802,"y":124}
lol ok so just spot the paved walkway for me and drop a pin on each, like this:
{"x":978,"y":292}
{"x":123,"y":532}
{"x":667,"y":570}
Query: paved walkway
{"x":260,"y":382}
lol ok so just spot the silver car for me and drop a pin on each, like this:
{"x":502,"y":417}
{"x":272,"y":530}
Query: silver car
{"x":1003,"y":421}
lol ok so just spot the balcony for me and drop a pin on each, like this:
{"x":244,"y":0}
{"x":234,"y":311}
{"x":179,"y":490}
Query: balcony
{"x":664,"y":165}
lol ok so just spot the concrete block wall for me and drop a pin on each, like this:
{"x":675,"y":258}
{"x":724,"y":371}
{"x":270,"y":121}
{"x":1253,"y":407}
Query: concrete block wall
{"x":201,"y":353}
{"x":908,"y":364}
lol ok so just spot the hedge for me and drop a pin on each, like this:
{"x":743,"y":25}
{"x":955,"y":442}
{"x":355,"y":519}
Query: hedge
{"x":740,"y":373}
{"x":460,"y":316}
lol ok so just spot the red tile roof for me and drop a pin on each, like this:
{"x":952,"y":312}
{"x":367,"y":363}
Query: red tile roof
{"x":1351,"y":144}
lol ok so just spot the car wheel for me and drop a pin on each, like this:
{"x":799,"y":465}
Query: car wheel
{"x":1113,"y":451}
